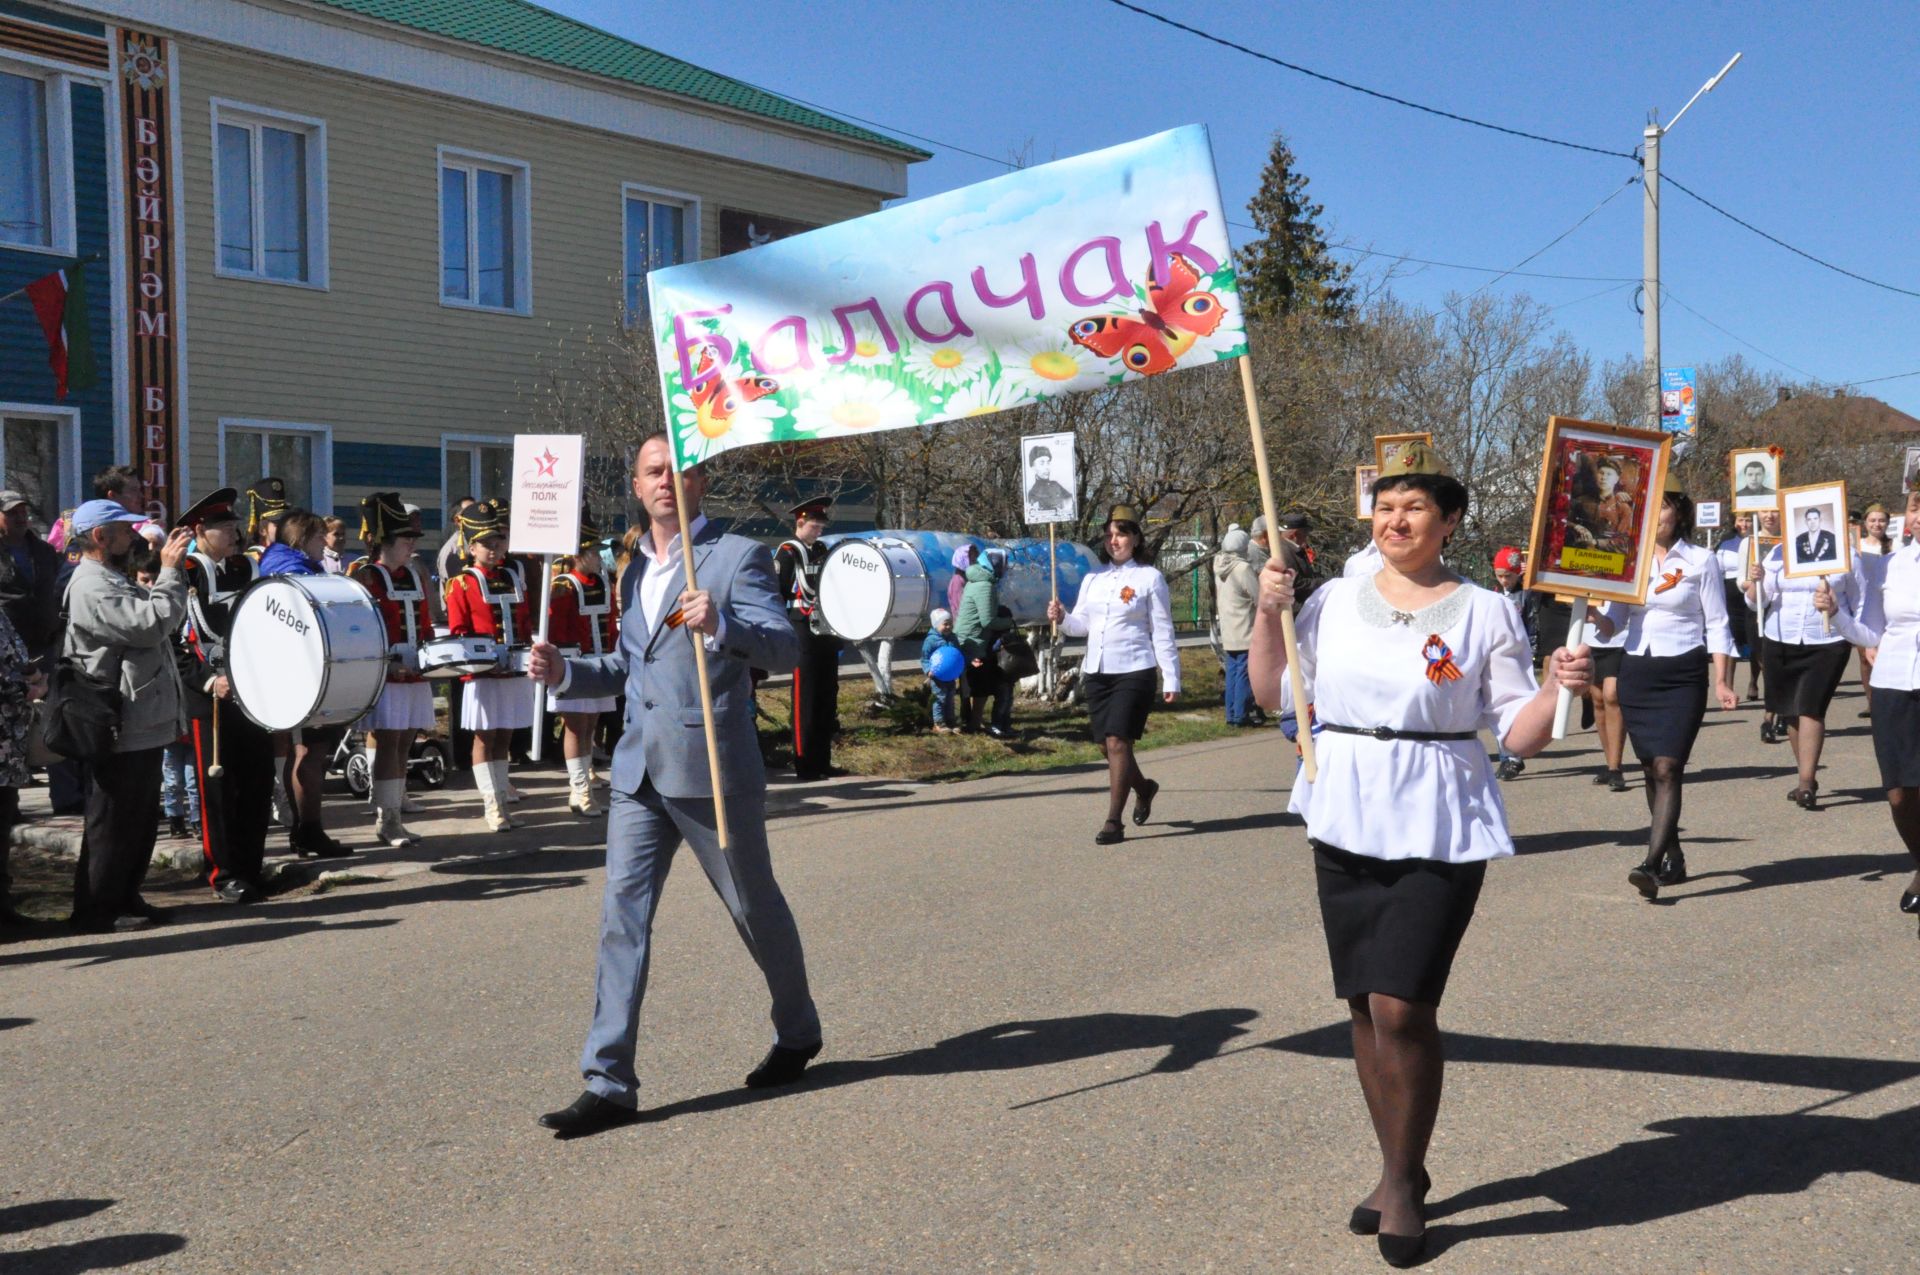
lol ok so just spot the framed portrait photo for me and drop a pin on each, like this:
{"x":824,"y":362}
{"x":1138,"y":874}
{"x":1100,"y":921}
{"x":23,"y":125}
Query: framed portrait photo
{"x":1388,"y":447}
{"x":1047,"y":478}
{"x":1364,"y":476}
{"x":1910,"y":469}
{"x":1814,"y":539}
{"x":1755,"y":475}
{"x":1897,"y":530}
{"x":1596,"y":509}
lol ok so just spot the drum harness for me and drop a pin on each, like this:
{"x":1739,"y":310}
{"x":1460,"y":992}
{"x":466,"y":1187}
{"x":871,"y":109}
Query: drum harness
{"x":594,"y":612}
{"x":805,"y":598}
{"x":208,"y":642}
{"x":406,"y":655}
{"x":501,"y":603}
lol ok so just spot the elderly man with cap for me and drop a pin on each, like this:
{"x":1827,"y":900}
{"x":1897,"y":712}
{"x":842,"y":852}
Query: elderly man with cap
{"x":816,"y":678}
{"x":122,"y":634}
{"x":233,"y":762}
{"x":29,"y":577}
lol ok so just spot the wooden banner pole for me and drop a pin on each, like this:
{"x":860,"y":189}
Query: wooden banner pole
{"x":540,"y":636}
{"x":700,"y":667}
{"x":1296,"y":679}
{"x":1053,"y":572}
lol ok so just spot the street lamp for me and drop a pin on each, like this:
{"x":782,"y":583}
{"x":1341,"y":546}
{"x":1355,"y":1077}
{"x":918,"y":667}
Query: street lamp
{"x":1650,"y":244}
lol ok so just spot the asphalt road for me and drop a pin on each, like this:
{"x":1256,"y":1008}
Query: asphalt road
{"x":1041,"y":1054}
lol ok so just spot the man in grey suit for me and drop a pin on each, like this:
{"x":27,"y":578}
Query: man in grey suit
{"x":662,"y":793}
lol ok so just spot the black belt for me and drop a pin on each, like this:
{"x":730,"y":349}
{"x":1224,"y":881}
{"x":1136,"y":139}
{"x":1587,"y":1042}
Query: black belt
{"x":1388,"y":732}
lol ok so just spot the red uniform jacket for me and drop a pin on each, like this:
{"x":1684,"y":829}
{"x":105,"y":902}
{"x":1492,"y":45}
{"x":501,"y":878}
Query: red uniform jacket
{"x":489,"y":603}
{"x":583,"y":614}
{"x":403,"y":604}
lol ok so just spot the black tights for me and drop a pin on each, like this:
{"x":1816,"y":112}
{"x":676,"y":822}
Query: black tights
{"x":1665,"y":779}
{"x":1123,"y":775}
{"x":1906,"y":821}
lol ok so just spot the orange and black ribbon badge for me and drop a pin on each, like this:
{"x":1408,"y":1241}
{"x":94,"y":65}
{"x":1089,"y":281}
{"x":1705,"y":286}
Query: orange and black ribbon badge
{"x":1669,"y":580}
{"x":1440,"y":665}
{"x":1126,"y":593}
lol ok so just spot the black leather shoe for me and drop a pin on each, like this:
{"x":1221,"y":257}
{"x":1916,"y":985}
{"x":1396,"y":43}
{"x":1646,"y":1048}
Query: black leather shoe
{"x":781,"y":1066}
{"x":1143,"y":802}
{"x":1909,"y":902}
{"x":176,"y":827}
{"x":146,"y":911}
{"x":1110,"y":834}
{"x":1767,"y":735}
{"x":1616,"y":781}
{"x":1366,"y":1221}
{"x":1673,"y":869}
{"x":1511,"y":768}
{"x":314,"y":843}
{"x":589,"y":1114}
{"x":1646,"y":879}
{"x":235,"y":890}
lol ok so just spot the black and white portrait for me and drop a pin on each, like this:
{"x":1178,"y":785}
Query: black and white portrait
{"x":1815,"y":530}
{"x":1047,"y":477}
{"x":1910,"y":471}
{"x":1756,"y":479}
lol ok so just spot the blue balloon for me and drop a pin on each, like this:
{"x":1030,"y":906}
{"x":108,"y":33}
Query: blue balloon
{"x":948,"y":664}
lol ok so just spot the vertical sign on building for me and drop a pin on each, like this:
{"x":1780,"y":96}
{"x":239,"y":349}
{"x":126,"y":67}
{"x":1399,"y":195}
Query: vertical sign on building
{"x":153,"y":363}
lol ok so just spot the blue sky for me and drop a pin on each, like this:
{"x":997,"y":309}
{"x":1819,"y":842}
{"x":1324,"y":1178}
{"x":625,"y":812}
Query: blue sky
{"x":1811,"y":138}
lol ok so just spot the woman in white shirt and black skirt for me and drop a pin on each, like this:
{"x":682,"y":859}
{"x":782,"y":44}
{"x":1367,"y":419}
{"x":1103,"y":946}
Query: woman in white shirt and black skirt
{"x":1805,"y":658}
{"x":1122,"y":611}
{"x":1888,"y":624}
{"x":1405,"y":668}
{"x":1663,"y":676}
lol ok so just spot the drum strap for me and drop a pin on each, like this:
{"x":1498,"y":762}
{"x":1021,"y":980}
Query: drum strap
{"x":409,"y":598}
{"x":501,"y":601}
{"x":596,"y":612}
{"x":806,"y":581}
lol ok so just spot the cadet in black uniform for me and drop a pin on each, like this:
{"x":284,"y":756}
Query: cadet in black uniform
{"x":266,"y":504}
{"x":235,"y":801}
{"x":816,"y":681}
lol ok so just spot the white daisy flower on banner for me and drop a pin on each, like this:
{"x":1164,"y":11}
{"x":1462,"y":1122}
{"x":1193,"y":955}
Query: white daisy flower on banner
{"x":1049,"y":366}
{"x":946,"y":364}
{"x":838,"y":406}
{"x":982,"y":398}
{"x":722,"y":421}
{"x":869,"y":349}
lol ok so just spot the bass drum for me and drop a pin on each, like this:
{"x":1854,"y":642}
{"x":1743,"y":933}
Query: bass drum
{"x":307,"y":651}
{"x":874,"y":588}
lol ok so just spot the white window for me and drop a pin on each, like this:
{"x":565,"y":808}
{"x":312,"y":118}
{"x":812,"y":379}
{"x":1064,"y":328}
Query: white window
{"x":269,"y":195}
{"x":299,"y":455}
{"x":479,"y":466}
{"x":40,"y":457}
{"x":36,"y":173}
{"x":660,"y":229}
{"x":484,"y":235}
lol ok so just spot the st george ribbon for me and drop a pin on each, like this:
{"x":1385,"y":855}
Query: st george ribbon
{"x":1052,"y":280}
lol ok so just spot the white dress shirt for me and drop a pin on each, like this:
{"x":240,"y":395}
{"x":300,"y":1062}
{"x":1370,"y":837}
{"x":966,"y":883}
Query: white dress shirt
{"x":1124,"y":614}
{"x":653,"y":592}
{"x":1889,"y":618}
{"x":1682,"y":613}
{"x":1366,"y":666}
{"x":1786,"y":605}
{"x":1732,"y":554}
{"x":1367,"y":562}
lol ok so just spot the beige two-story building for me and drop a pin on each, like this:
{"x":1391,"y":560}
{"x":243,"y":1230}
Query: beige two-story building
{"x":348,"y":232}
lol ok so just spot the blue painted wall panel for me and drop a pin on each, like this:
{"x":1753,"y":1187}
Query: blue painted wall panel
{"x":386,"y":466}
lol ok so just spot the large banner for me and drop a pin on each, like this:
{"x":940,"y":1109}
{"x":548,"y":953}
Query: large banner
{"x":1049,"y":281}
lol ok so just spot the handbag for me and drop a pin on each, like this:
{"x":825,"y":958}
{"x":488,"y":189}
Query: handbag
{"x":81,"y":713}
{"x":1016,"y":657}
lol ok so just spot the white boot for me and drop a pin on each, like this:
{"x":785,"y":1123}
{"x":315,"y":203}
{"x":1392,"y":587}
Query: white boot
{"x":508,"y":793}
{"x":580,"y":787}
{"x":387,"y":827}
{"x":485,"y":778}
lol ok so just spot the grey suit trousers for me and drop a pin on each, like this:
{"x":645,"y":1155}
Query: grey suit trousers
{"x":643,"y":831}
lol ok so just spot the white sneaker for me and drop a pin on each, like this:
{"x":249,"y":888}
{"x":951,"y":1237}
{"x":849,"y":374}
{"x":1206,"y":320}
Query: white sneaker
{"x":388,"y":829}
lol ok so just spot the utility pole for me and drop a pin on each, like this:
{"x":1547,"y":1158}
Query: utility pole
{"x":1650,"y":242}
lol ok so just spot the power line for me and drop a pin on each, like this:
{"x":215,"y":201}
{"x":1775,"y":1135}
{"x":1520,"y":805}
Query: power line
{"x":1631,"y":181}
{"x":1360,"y":88}
{"x":1591,"y":295}
{"x":1668,"y":294}
{"x":1775,"y":239}
{"x":1454,"y":265}
{"x":1874,"y":380}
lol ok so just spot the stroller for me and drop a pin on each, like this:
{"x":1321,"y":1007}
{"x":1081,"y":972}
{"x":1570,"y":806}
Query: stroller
{"x":427,"y":762}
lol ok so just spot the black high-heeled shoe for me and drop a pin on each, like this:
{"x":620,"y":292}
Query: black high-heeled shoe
{"x":1909,"y":902}
{"x":1366,"y":1221}
{"x":1809,"y":798}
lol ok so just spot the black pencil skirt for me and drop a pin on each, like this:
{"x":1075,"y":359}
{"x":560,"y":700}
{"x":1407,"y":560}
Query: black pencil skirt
{"x":1118,"y":703}
{"x":1606,"y":663}
{"x":1393,"y":925}
{"x":1801,"y":679}
{"x":1896,"y":737}
{"x":1663,"y":699}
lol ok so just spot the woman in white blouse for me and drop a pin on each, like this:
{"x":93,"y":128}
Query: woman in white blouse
{"x":1405,"y":669}
{"x":1122,"y":611}
{"x":1888,"y":623}
{"x":1663,"y":676}
{"x":1805,"y":658}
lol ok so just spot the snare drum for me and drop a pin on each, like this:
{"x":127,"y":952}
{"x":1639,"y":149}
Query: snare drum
{"x":460,"y":656}
{"x":874,"y":588}
{"x":307,"y":651}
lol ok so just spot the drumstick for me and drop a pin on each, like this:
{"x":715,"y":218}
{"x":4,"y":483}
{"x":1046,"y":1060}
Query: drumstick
{"x":216,"y":769}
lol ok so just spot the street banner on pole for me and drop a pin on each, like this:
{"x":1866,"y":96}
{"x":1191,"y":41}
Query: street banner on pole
{"x":1679,"y":400}
{"x":1053,"y":280}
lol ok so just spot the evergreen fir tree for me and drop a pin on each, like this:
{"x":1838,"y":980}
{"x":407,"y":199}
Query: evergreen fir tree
{"x":1289,"y":268}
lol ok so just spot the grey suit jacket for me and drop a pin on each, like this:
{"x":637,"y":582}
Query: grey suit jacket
{"x":656,"y":671}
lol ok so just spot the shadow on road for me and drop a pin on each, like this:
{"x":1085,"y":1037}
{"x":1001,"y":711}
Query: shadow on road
{"x":1188,"y":1039}
{"x":8,"y":1024}
{"x":1700,"y":1163}
{"x":100,"y":1254}
{"x":1806,"y":871}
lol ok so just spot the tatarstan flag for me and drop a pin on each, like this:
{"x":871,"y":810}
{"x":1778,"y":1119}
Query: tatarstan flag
{"x":60,"y":301}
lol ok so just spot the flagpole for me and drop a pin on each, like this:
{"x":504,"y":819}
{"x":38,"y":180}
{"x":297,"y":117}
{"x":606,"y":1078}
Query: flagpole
{"x":1302,"y":714}
{"x":22,"y":290}
{"x":700,"y":665}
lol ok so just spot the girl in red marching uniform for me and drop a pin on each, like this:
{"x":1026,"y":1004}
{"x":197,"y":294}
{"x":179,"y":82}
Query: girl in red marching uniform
{"x":582,"y":618}
{"x":406,"y":701}
{"x":488,"y":599}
